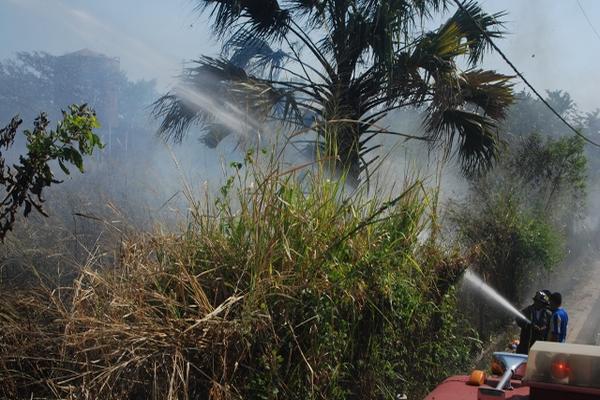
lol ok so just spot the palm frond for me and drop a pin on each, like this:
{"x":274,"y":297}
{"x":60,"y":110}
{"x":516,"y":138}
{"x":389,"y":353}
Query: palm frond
{"x":202,"y":86}
{"x":264,"y":17}
{"x":477,"y":139}
{"x":435,"y":51}
{"x":348,"y":43}
{"x":254,"y":54}
{"x":425,"y":8}
{"x":471,"y":21}
{"x":214,"y":134}
{"x":176,"y":116}
{"x":402,"y":15}
{"x":489,"y":90}
{"x":220,"y":98}
{"x":432,"y":56}
{"x":312,"y":10}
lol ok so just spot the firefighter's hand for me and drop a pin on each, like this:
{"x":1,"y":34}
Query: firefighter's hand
{"x":537,"y":328}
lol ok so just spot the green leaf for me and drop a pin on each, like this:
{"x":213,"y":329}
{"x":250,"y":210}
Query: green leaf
{"x":63,"y":167}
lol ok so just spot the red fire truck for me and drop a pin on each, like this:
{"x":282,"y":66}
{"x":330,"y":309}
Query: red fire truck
{"x":552,"y":371}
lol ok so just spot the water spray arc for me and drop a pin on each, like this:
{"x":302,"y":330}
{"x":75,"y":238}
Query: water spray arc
{"x":487,"y":291}
{"x":226,"y":113}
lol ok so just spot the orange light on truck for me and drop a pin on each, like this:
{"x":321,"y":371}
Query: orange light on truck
{"x":560,"y":369}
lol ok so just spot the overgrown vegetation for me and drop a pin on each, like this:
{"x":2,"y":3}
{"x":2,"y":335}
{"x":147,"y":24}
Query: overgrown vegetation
{"x":278,"y":289}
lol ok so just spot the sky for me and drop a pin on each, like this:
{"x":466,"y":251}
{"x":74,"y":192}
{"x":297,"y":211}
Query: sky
{"x":550,"y":41}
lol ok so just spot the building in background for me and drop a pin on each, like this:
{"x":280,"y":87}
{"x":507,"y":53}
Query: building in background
{"x":96,"y":79}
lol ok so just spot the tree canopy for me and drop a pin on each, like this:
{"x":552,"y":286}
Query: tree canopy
{"x":338,"y":67}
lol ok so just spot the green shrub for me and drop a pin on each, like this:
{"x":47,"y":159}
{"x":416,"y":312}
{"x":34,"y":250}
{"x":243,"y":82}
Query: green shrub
{"x":514,"y":244}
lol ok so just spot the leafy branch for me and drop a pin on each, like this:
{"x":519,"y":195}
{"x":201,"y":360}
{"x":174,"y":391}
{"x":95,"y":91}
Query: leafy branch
{"x":22,"y":184}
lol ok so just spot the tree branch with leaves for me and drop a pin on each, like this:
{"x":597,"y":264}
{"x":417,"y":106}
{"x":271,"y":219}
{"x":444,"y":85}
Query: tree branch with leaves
{"x":22,"y":184}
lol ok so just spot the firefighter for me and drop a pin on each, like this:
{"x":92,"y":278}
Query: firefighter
{"x":537,"y":329}
{"x":557,"y":331}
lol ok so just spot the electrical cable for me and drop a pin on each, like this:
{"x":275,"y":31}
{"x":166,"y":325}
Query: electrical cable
{"x":529,"y":85}
{"x":588,"y":19}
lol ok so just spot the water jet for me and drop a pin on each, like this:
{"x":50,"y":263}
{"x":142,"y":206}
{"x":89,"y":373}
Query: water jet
{"x":487,"y":291}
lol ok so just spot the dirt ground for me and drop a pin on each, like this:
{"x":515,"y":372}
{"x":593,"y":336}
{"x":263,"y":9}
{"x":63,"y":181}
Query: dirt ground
{"x":583,"y":305}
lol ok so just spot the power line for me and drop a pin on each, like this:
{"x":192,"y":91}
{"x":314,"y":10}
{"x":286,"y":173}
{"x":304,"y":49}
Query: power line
{"x":520,"y":75}
{"x":588,"y":19}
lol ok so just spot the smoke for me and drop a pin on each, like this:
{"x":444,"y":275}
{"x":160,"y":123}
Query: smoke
{"x":77,"y":27}
{"x":147,"y":181}
{"x":93,"y":30}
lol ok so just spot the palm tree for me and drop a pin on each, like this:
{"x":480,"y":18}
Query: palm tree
{"x":346,"y":64}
